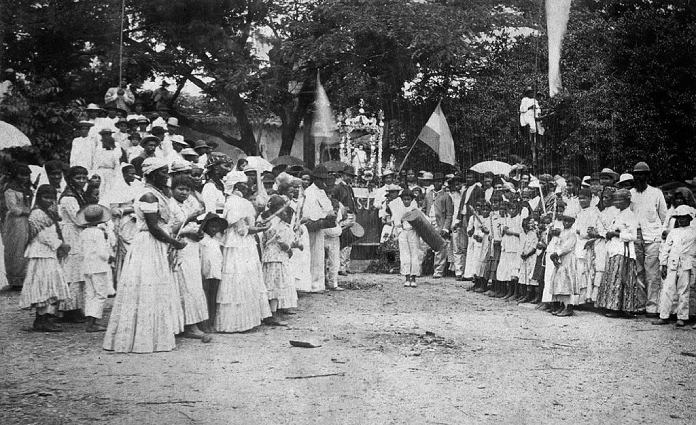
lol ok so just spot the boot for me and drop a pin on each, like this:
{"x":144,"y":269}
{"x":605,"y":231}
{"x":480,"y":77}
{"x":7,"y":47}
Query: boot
{"x":482,"y":285}
{"x":558,"y":307}
{"x":500,"y":293}
{"x":531,"y":294}
{"x":567,"y":311}
{"x":522,"y":293}
{"x":494,"y":289}
{"x":510,"y":290}
{"x":539,"y":292}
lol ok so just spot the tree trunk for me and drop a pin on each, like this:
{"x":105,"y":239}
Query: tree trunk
{"x":292,"y":117}
{"x":246,"y":130}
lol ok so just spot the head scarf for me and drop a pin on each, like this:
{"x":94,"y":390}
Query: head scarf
{"x":70,"y":189}
{"x":153,"y":163}
{"x":214,"y":159}
{"x":231,"y":179}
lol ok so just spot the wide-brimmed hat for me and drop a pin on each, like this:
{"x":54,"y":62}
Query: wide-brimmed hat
{"x":173,"y":121}
{"x":609,"y":172}
{"x":107,"y":130}
{"x":232,"y":178}
{"x":187,"y":152}
{"x":93,"y":214}
{"x":683,"y":210}
{"x":393,"y":188}
{"x":425,"y":175}
{"x":178,"y":166}
{"x":212,"y":218}
{"x":625,"y":177}
{"x":320,"y":172}
{"x":641,"y":167}
{"x":142,"y":119}
{"x":93,"y":107}
{"x":153,"y":164}
{"x":387,"y":172}
{"x":201,"y":144}
{"x":179,"y":140}
{"x":85,"y":123}
{"x":148,"y":138}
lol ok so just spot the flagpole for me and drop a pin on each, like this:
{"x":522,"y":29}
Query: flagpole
{"x":407,"y":154}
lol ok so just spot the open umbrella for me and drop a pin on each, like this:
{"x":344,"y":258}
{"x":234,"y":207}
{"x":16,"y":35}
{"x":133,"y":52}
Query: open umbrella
{"x":495,"y":167}
{"x":288,"y":160}
{"x":258,"y":163}
{"x":334,"y":166}
{"x":11,"y":137}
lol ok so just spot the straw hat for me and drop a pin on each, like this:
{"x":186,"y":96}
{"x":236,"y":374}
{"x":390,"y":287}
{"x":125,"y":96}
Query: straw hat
{"x":93,"y":214}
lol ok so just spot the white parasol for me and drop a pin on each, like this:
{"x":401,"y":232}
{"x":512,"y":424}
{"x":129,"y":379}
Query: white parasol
{"x":495,"y":167}
{"x":11,"y":137}
{"x":258,"y":163}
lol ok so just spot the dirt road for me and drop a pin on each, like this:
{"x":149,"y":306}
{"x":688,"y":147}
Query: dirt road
{"x":393,"y":355}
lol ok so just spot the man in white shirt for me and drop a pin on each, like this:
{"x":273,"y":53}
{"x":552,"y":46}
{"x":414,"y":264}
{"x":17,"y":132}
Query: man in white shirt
{"x":380,"y":194}
{"x":649,"y":206}
{"x":82,"y":149}
{"x":529,"y":111}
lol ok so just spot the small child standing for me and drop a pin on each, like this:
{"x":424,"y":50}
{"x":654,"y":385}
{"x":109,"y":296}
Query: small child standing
{"x":409,"y":242}
{"x":497,"y":222}
{"x":509,"y":267}
{"x":677,"y":261}
{"x":277,"y":243}
{"x":95,"y":264}
{"x":211,"y":264}
{"x":473,"y":250}
{"x":528,"y":254}
{"x":480,"y":276}
{"x":44,"y":285}
{"x":565,"y":279}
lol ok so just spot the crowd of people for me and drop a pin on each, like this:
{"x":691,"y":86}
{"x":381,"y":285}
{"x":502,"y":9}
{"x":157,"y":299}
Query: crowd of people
{"x":607,"y":241}
{"x":190,"y":243}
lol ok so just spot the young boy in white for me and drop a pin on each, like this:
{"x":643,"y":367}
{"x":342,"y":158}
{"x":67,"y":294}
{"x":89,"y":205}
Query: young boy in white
{"x":677,"y":261}
{"x":95,"y":265}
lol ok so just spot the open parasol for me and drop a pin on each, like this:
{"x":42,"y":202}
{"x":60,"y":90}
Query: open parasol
{"x":288,"y":160}
{"x":11,"y":137}
{"x":258,"y":163}
{"x":334,"y":166}
{"x":495,"y":167}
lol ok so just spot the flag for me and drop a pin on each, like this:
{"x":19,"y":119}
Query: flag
{"x":557,"y":13}
{"x":437,"y":135}
{"x":323,"y":123}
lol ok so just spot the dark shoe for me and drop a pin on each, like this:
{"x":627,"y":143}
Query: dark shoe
{"x":342,"y":274}
{"x":95,"y":328}
{"x":566,"y":312}
{"x":660,"y":322}
{"x":651,"y":315}
{"x":680,"y":323}
{"x":337,"y":288}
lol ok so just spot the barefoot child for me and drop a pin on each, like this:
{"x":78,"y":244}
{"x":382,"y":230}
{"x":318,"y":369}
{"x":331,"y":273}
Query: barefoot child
{"x":528,"y":254}
{"x":44,"y":284}
{"x":565,"y":280}
{"x":278,"y":242}
{"x":509,"y":267}
{"x":211,"y":264}
{"x":676,"y":261}
{"x":96,"y":269}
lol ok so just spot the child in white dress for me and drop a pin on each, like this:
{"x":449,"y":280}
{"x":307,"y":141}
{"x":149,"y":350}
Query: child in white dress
{"x":96,"y":269}
{"x":211,"y":264}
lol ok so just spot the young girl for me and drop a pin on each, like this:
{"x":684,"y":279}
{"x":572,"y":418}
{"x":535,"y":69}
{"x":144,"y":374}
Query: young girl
{"x":607,"y":213}
{"x":589,"y":229}
{"x":480,"y":276}
{"x":564,"y":281}
{"x":71,"y":201}
{"x":528,"y":254}
{"x":509,"y":267}
{"x":497,"y":221}
{"x":619,"y":291}
{"x":550,"y":243}
{"x":277,"y":243}
{"x":409,"y":242}
{"x":187,"y":267}
{"x":44,"y":284}
{"x":95,"y":267}
{"x":473,"y":251}
{"x":211,"y":264}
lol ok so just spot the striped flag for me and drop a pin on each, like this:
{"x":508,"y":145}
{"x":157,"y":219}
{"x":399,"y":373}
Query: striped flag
{"x":557,"y":14}
{"x":437,"y":135}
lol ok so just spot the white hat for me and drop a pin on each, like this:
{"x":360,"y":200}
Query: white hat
{"x":387,"y":172}
{"x":625,"y":177}
{"x":93,"y":107}
{"x":232,"y":178}
{"x":178,"y":138}
{"x":188,"y":151}
{"x":427,"y":175}
{"x":586,"y":181}
{"x":684,"y":210}
{"x":174,"y":122}
{"x":153,"y":163}
{"x":179,"y":166}
{"x":393,"y":188}
{"x":108,"y":129}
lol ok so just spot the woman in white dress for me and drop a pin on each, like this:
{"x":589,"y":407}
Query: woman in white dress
{"x":71,"y":201}
{"x":142,"y":318}
{"x":301,"y":257}
{"x":187,"y":269}
{"x":242,"y":297}
{"x":213,"y":192}
{"x":107,"y":164}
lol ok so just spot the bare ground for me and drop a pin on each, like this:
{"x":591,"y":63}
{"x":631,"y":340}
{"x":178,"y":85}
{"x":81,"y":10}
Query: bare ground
{"x":393,"y":355}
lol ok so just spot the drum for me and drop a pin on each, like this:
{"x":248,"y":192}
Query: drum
{"x":351,"y":234}
{"x":424,"y":229}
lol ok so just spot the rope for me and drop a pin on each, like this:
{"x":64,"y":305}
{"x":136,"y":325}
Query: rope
{"x":120,"y":45}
